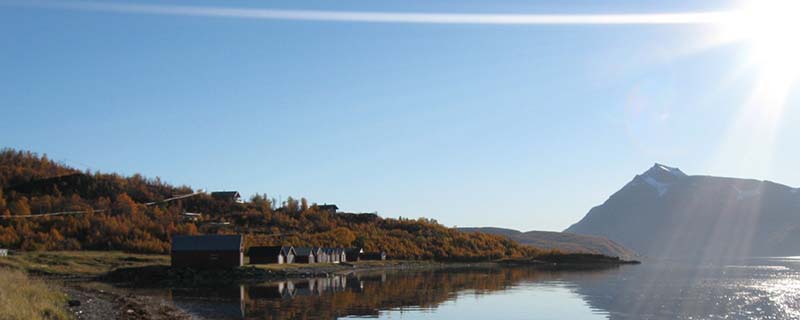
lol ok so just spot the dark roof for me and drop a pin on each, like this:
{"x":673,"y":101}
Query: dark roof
{"x":270,"y":251}
{"x":352,"y":250}
{"x":328,"y":207}
{"x":210,"y":242}
{"x":302,"y":251}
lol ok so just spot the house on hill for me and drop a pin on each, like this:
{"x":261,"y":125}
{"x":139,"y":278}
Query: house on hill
{"x":207,"y":251}
{"x":231,"y":196}
{"x":329,"y":208}
{"x":304,"y":255}
{"x":278,"y":254}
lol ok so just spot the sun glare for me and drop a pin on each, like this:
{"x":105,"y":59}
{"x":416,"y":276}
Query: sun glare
{"x":769,"y":30}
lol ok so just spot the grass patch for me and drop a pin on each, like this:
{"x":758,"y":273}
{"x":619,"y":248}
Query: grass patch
{"x":80,"y":263}
{"x":22,"y":297}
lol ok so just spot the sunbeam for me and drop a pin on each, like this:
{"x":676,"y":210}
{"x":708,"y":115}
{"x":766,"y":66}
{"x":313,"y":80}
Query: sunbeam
{"x":385,"y":17}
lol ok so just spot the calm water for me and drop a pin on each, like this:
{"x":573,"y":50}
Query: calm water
{"x":749,"y":289}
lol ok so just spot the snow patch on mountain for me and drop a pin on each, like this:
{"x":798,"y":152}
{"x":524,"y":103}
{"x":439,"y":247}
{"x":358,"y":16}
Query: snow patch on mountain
{"x":671,"y":170}
{"x":660,"y":187}
{"x":660,"y":178}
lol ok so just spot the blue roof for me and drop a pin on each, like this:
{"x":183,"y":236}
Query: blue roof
{"x":211,"y":242}
{"x":303,"y":251}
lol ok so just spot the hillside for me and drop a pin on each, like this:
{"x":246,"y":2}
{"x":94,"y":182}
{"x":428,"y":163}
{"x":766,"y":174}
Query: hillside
{"x":492,"y":230}
{"x":562,"y":241}
{"x":664,"y":212}
{"x":99,"y":211}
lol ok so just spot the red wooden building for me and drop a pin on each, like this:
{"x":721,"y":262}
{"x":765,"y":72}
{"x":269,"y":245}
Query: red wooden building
{"x":207,"y":251}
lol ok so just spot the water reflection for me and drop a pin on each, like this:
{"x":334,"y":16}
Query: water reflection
{"x":358,"y":294}
{"x":746,"y":289}
{"x":758,"y":289}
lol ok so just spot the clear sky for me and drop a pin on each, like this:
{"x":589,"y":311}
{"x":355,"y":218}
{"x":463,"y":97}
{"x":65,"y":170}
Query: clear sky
{"x":521,"y":126}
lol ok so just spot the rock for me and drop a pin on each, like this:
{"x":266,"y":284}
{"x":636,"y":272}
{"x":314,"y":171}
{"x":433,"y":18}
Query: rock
{"x":73,"y":303}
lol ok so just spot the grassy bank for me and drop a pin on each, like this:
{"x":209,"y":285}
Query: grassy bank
{"x":139,"y":269}
{"x":78,"y":263}
{"x":22,"y":297}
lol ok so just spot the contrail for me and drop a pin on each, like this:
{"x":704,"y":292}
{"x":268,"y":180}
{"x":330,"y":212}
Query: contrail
{"x":710,"y":17}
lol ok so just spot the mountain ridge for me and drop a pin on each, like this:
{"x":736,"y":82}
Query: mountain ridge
{"x":664,"y":212}
{"x":562,"y":241}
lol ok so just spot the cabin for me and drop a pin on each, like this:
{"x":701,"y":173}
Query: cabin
{"x":267,"y":255}
{"x":229,"y":196}
{"x":342,"y":255}
{"x":3,"y":252}
{"x":332,"y":255}
{"x":322,"y":255}
{"x":207,"y":251}
{"x":329,"y":208}
{"x":353,"y":254}
{"x":373,"y":255}
{"x":304,"y":255}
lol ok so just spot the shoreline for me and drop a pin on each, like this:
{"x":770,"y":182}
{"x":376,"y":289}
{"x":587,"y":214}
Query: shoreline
{"x":169,"y":276}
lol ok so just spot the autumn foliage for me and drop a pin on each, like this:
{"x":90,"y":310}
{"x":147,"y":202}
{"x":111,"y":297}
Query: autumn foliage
{"x":113,"y":216}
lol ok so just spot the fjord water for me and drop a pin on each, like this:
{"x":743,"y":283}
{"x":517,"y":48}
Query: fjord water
{"x":764,"y":288}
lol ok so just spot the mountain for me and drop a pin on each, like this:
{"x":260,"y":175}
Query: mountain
{"x":562,"y":241}
{"x":664,"y":212}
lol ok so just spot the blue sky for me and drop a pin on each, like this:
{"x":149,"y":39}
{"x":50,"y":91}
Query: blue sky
{"x":473,"y":125}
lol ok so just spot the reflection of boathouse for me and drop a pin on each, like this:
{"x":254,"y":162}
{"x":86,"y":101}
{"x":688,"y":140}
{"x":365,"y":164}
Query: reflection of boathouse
{"x":355,"y":284}
{"x":228,"y":301}
{"x":270,"y":291}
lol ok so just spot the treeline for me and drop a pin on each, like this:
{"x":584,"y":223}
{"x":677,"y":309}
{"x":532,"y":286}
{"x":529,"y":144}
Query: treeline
{"x":115,"y":218}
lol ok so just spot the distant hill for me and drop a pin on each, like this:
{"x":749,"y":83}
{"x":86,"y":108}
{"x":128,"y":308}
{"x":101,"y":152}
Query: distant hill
{"x":664,"y":212}
{"x":563,"y":241}
{"x":492,"y":230}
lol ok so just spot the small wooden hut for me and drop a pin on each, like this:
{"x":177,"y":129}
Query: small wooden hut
{"x":322,"y":255}
{"x":276,"y":254}
{"x":304,"y":255}
{"x":373,"y":255}
{"x":207,"y":251}
{"x":353,"y":254}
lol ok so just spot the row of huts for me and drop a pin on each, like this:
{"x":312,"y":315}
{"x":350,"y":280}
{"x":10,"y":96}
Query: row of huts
{"x":288,"y":254}
{"x":227,"y":251}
